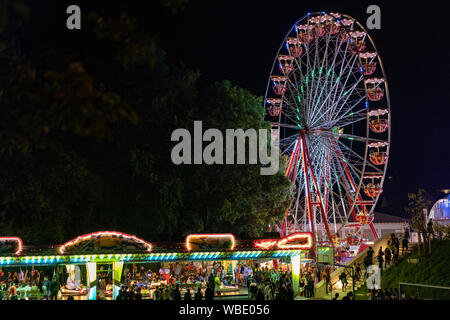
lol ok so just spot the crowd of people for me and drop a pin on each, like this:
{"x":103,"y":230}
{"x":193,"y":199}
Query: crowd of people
{"x":187,"y":283}
{"x":387,"y":294}
{"x":24,"y":286}
{"x":270,"y":284}
{"x":390,"y":255}
{"x":170,"y":281}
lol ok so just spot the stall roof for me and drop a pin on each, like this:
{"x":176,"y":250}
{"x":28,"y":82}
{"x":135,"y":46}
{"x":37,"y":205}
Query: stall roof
{"x":109,"y":246}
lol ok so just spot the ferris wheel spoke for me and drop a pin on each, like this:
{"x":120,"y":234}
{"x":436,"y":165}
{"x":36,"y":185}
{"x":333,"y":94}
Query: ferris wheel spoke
{"x":347,"y":120}
{"x":345,"y":97}
{"x":339,"y":155}
{"x":354,"y":154}
{"x":317,"y":69}
{"x":343,"y":93}
{"x":328,"y":100}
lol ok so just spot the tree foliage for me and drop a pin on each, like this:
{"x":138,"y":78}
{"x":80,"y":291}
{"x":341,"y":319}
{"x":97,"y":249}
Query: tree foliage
{"x":417,"y":203}
{"x":85,"y":143}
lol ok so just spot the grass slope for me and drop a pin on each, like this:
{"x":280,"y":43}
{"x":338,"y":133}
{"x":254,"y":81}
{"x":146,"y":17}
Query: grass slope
{"x":432,"y":269}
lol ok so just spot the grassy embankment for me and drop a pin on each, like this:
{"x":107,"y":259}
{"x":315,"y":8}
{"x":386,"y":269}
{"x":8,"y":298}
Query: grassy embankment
{"x":432,"y":269}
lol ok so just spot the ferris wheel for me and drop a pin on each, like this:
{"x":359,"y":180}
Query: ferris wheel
{"x":328,"y":100}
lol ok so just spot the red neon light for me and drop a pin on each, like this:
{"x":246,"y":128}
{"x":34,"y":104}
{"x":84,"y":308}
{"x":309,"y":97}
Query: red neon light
{"x":105,"y":233}
{"x":266,"y":244}
{"x":284,"y":243}
{"x":14,"y":239}
{"x":322,"y":210}
{"x":217,"y":235}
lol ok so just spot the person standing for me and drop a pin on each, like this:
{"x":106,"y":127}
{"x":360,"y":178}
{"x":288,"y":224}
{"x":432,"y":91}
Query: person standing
{"x":430,"y":228}
{"x":46,"y":288}
{"x":249,"y":281}
{"x":138,"y":294}
{"x":253,"y":289}
{"x":198,"y":296}
{"x":268,"y":292}
{"x":241,"y":274}
{"x":404,"y":245}
{"x":54,"y":289}
{"x":259,"y":294}
{"x":12,"y":294}
{"x":20,"y":292}
{"x":343,"y":278}
{"x":310,"y":286}
{"x":209,"y":293}
{"x":176,"y":293}
{"x":301,"y":286}
{"x":34,"y":293}
{"x":217,"y":284}
{"x":187,"y":295}
{"x":168,"y":293}
{"x":246,"y":273}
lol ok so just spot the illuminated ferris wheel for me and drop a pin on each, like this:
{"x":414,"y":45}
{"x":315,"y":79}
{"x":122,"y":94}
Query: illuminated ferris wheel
{"x":328,"y":100}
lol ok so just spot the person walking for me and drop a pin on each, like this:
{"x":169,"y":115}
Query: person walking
{"x":367,"y":263}
{"x":380,"y":258}
{"x":327,"y":278}
{"x":358,"y":271}
{"x":370,"y":254}
{"x":387,"y":256}
{"x":343,"y":278}
{"x":396,"y":245}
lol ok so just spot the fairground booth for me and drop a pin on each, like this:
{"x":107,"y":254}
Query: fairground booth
{"x":94,"y":266}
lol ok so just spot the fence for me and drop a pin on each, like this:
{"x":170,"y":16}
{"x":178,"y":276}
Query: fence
{"x":408,"y":291}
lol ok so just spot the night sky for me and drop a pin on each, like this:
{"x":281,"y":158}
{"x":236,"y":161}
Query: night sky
{"x":238,"y":40}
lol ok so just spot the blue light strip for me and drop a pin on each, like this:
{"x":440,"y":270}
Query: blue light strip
{"x":153,"y":257}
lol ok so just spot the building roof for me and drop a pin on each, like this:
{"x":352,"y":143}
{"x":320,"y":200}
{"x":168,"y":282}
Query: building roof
{"x":387,"y":218}
{"x":382,"y":218}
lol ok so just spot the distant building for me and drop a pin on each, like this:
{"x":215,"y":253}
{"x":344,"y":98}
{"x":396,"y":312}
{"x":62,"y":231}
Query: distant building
{"x":440,"y":212}
{"x":386,"y":223}
{"x":383,"y":223}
